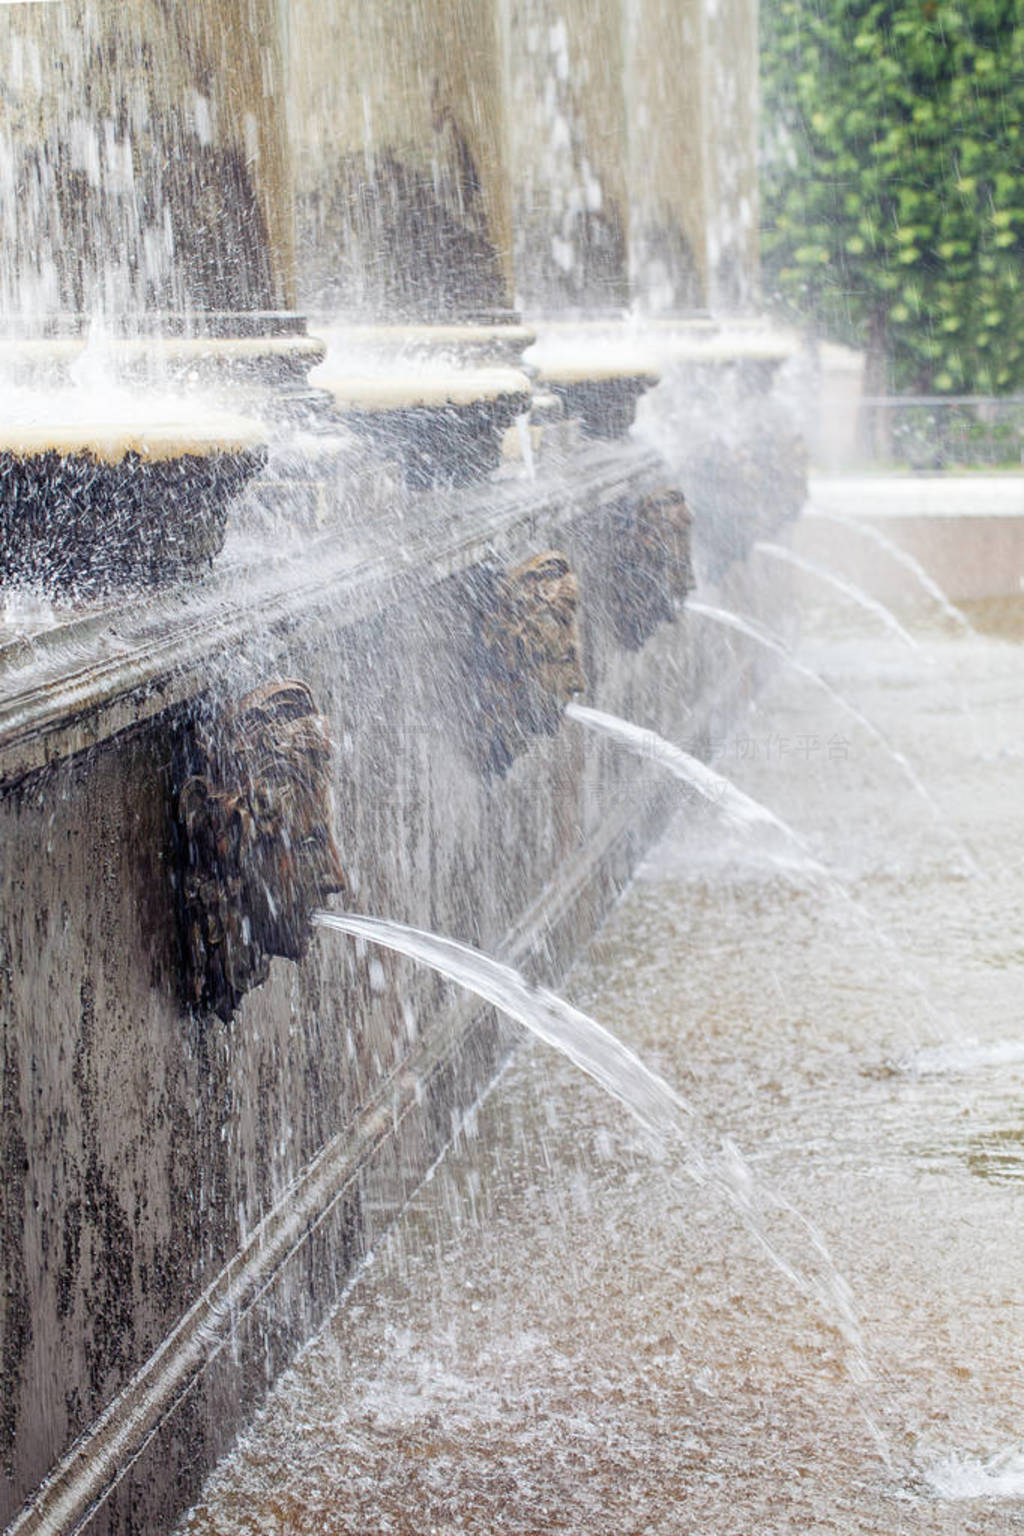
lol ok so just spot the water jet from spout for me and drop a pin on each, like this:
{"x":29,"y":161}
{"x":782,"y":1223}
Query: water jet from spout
{"x":739,"y":809}
{"x":770,"y":1218}
{"x":747,"y":814}
{"x":901,"y":557}
{"x":852,"y":593}
{"x":774,"y":643}
{"x":594,"y":1049}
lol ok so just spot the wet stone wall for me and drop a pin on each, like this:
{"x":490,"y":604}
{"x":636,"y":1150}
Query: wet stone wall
{"x":197,"y":1190}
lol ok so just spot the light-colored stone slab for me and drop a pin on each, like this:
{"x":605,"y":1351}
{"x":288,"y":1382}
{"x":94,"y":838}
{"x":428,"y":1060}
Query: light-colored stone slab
{"x":966,"y":532}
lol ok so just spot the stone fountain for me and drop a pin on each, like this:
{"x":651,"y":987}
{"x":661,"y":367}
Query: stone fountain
{"x":312,"y":633}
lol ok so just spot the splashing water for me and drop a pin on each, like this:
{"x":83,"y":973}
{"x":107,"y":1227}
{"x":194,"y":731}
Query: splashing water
{"x":526,"y":447}
{"x":778,"y":648}
{"x":901,"y":557}
{"x":852,"y":593}
{"x":604,"y":1057}
{"x":968,"y":1477}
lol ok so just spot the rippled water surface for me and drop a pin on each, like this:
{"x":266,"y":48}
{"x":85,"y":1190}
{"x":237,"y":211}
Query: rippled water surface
{"x":564,"y":1335}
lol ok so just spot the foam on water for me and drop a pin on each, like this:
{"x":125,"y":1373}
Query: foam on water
{"x":24,"y":613}
{"x":961,"y":1477}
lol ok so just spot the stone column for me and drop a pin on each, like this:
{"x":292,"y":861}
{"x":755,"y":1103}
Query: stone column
{"x":570,"y":172}
{"x":693,"y":90}
{"x":731,"y":138}
{"x":398,"y":118}
{"x":668,"y":162}
{"x":568,"y":134}
{"x":144,"y":165}
{"x":405,"y":226}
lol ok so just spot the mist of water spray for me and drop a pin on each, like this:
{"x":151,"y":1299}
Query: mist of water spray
{"x":737,"y":808}
{"x":741,"y":811}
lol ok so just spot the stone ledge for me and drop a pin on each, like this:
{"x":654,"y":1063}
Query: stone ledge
{"x":893,"y":496}
{"x":117,"y":665}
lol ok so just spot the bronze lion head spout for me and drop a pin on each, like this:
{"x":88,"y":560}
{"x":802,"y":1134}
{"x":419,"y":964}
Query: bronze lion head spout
{"x":540,"y":609}
{"x":648,"y":562}
{"x":260,"y":854}
{"x":523,"y":654}
{"x":664,"y":524}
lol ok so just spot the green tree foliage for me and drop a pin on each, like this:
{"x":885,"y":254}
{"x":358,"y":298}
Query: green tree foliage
{"x":893,"y":182}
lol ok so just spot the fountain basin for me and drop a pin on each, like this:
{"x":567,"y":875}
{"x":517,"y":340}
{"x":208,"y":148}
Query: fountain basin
{"x":444,"y":427}
{"x":94,"y":507}
{"x":597,"y":371}
{"x":966,"y":531}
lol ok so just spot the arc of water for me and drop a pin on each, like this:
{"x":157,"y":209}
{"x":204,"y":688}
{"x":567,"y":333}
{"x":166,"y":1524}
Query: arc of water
{"x":739,"y":809}
{"x":852,"y":593}
{"x":744,"y":812}
{"x":594,"y":1049}
{"x":900,"y":556}
{"x":775,"y":644}
{"x":611,"y":1063}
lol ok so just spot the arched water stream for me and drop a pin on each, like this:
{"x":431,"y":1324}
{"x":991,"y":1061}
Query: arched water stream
{"x":554,"y":1340}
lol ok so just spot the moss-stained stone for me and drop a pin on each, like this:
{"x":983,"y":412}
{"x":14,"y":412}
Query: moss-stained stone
{"x":398,"y":117}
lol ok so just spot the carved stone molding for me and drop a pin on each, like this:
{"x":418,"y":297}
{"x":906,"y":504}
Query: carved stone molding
{"x":260,"y":854}
{"x":521,"y":652}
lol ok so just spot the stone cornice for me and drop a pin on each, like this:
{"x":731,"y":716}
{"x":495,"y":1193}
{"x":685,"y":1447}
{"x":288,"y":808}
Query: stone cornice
{"x":114,"y":666}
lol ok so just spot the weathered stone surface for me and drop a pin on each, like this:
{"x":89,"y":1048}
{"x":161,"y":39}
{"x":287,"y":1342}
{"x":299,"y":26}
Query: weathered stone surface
{"x":567,"y":129}
{"x":164,"y":1171}
{"x":398,"y":121}
{"x":150,"y":131}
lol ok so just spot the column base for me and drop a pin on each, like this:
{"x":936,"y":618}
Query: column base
{"x":597,"y":371}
